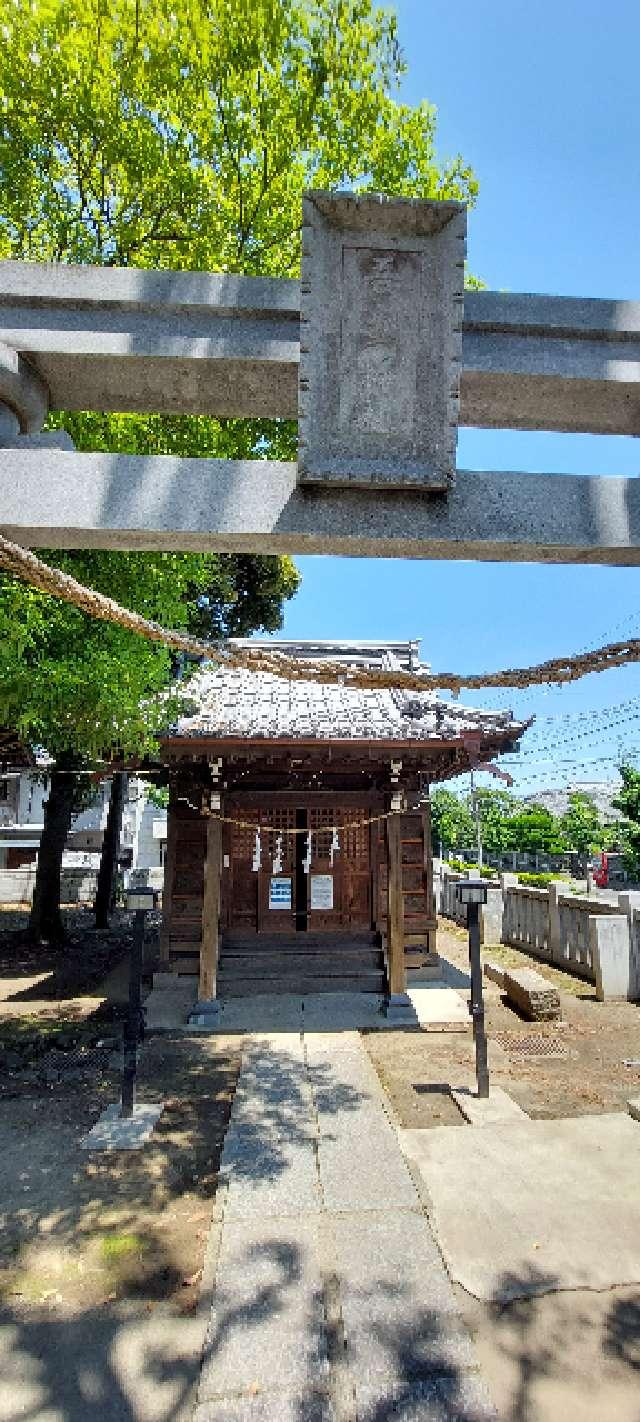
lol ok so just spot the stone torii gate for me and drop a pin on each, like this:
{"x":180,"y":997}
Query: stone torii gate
{"x":377,"y":351}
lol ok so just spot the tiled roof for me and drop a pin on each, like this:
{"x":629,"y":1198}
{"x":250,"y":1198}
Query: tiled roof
{"x":259,"y":706}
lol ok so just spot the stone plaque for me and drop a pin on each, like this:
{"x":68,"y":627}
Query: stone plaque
{"x":380,"y":340}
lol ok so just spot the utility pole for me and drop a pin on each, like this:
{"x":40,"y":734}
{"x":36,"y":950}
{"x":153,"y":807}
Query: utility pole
{"x":476,"y":814}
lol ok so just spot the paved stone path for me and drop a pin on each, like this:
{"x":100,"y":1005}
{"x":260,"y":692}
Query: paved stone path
{"x":330,"y":1299}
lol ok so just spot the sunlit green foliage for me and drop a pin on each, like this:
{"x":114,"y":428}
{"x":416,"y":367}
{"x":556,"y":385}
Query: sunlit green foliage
{"x":180,"y":135}
{"x":182,"y":132}
{"x":84,"y":687}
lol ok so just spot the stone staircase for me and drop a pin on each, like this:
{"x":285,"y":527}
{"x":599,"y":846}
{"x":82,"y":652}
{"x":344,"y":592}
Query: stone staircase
{"x":300,"y":963}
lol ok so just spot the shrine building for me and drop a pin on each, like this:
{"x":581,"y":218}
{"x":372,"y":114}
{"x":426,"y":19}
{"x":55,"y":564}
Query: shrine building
{"x":298,"y":843}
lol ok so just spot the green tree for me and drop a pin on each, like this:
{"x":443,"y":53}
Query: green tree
{"x":535,"y":830}
{"x":89,"y":691}
{"x":452,"y":824}
{"x":581,"y":826}
{"x":495,"y":808}
{"x":627,"y":801}
{"x":180,"y":134}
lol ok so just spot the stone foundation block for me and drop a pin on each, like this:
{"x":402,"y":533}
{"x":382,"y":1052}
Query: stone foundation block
{"x":494,"y":974}
{"x":168,"y":1006}
{"x":399,"y":1008}
{"x":530,"y":992}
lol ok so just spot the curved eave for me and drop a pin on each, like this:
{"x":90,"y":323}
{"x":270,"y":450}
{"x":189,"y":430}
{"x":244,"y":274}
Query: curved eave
{"x":489,"y":741}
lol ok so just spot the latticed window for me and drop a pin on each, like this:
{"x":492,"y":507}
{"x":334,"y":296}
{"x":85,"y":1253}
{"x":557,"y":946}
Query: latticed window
{"x":243,"y":837}
{"x":354,"y":836}
{"x":279,"y":819}
{"x":321,"y":822}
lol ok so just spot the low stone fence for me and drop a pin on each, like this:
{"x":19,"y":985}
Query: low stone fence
{"x":594,"y":939}
{"x":448,"y":904}
{"x":525,"y":919}
{"x":77,"y":886}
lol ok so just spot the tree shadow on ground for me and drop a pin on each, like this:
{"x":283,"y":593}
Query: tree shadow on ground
{"x":100,"y":1254}
{"x":69,"y":1346}
{"x":278,"y":1343}
{"x":100,"y":1360}
{"x":322,"y":1365}
{"x":541,"y":1331}
{"x":273,"y":1110}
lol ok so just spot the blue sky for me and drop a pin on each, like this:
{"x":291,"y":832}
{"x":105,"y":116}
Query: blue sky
{"x":543,"y":101}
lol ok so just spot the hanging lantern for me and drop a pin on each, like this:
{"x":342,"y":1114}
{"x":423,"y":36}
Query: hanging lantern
{"x":257,"y":853}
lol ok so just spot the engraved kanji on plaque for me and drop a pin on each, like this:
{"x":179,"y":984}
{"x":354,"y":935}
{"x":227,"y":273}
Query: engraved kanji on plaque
{"x":380,"y":340}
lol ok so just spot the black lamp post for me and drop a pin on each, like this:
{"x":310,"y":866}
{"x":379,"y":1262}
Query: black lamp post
{"x":473,"y":893}
{"x":140,"y":901}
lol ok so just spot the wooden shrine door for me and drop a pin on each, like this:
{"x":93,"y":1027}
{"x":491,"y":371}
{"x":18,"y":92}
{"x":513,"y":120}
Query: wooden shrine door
{"x":335,"y":894}
{"x":260,"y":900}
{"x":339,"y":885}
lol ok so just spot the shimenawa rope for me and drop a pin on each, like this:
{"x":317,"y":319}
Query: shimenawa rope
{"x":25,"y":565}
{"x":285,"y":833}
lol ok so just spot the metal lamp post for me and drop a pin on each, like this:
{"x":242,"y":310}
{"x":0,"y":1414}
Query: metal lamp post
{"x":139,"y":901}
{"x":473,"y":893}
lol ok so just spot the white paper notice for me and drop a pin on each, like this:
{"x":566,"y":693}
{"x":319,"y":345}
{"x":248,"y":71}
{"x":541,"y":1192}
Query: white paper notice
{"x":322,"y":891}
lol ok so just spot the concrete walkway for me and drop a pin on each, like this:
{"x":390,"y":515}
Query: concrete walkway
{"x":330,"y":1301}
{"x":530,"y":1207}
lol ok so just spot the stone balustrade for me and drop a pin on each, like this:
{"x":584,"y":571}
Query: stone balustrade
{"x":594,"y":939}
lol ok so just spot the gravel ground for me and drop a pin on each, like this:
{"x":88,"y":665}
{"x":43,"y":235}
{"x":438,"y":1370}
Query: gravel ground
{"x":82,"y":1229}
{"x":586,"y":1072}
{"x":75,"y":1229}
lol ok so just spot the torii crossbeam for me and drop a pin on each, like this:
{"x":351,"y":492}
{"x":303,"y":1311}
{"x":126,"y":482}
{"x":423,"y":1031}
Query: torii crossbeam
{"x":393,"y":356}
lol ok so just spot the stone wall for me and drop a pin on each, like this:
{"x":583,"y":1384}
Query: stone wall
{"x":78,"y":886}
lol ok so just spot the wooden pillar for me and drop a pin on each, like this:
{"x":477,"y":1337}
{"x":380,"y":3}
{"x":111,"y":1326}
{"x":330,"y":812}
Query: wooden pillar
{"x":211,"y":910}
{"x":395,"y":946}
{"x":169,"y":875}
{"x":428,"y":871}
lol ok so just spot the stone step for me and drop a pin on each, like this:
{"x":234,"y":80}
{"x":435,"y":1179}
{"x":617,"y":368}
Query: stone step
{"x":245,"y":962}
{"x":328,"y":942}
{"x":301,"y":985}
{"x":534,"y":997}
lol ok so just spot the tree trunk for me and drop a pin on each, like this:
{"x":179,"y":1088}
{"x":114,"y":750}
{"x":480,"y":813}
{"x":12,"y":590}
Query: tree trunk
{"x":106,"y":887}
{"x":45,"y":923}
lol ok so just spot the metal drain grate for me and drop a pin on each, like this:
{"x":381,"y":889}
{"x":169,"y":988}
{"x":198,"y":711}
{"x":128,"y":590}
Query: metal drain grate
{"x":533,"y":1045}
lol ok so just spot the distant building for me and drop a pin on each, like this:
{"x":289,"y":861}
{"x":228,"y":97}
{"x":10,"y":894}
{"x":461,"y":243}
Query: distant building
{"x":601,"y":792}
{"x":23,"y":794}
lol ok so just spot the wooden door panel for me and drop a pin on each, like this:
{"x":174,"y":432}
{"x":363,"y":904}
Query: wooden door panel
{"x":241,"y":882}
{"x":277,"y":845}
{"x":321,"y":820}
{"x":356,"y":854}
{"x":247,"y":892}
